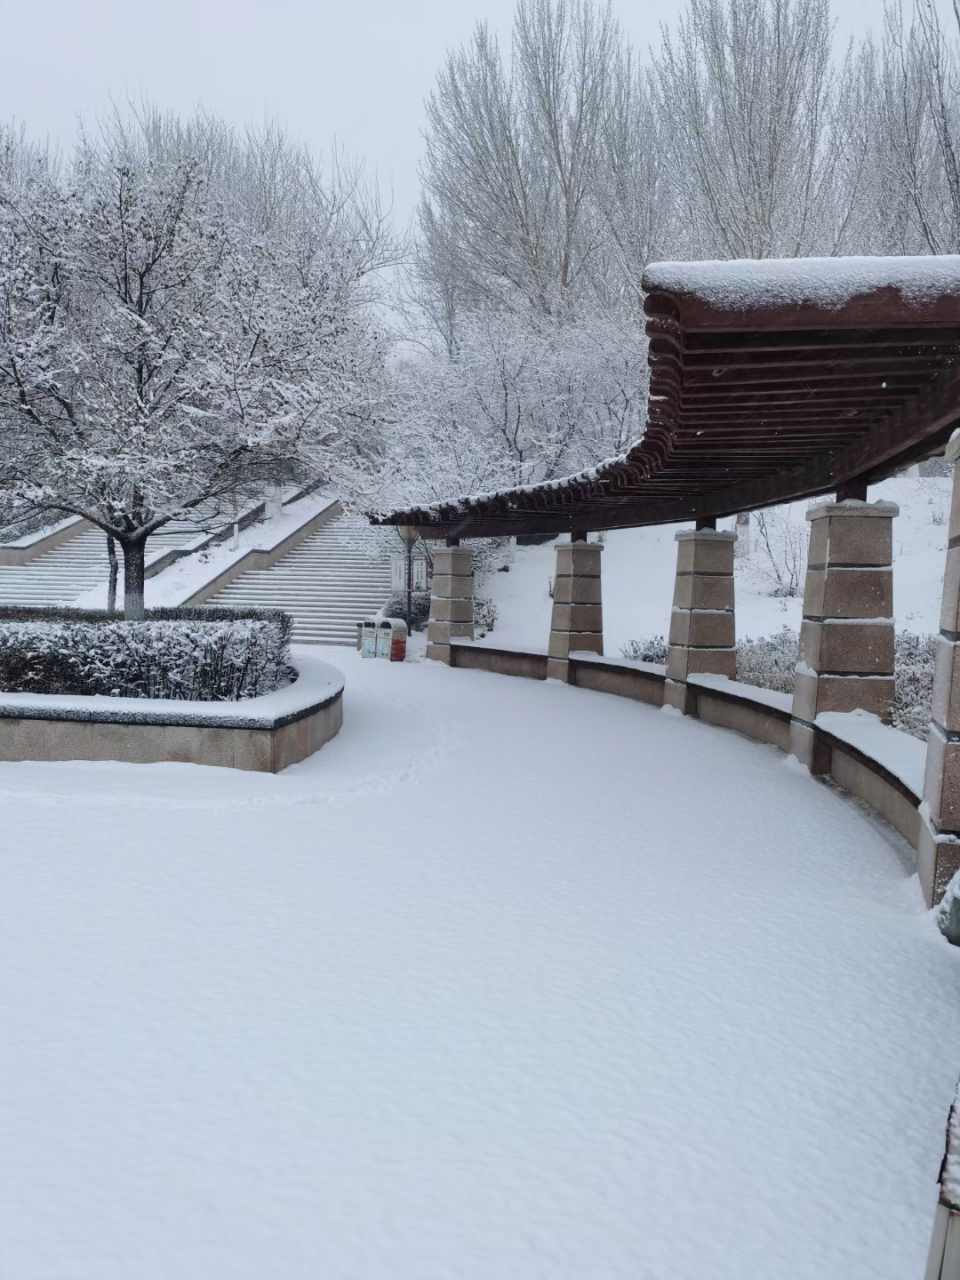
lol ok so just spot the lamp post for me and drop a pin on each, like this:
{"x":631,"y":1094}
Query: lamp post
{"x":409,"y":535}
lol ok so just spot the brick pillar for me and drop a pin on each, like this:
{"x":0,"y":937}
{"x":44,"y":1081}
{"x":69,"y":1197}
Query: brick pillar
{"x":846,"y":636}
{"x":451,"y":601}
{"x":577,"y":619}
{"x":702,"y":625}
{"x":938,"y":855}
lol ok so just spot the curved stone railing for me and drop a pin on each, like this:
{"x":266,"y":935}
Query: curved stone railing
{"x":265,"y":734}
{"x":882,"y":767}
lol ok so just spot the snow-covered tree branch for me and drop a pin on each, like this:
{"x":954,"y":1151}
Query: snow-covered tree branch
{"x":178,"y":326}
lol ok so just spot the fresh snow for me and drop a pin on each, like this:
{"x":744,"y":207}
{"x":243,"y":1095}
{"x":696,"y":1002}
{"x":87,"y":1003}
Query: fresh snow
{"x":509,"y":980}
{"x":651,"y":668}
{"x":825,"y":282}
{"x":768,"y":697}
{"x":900,"y":753}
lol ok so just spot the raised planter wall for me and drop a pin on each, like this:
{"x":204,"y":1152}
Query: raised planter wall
{"x":263,"y":734}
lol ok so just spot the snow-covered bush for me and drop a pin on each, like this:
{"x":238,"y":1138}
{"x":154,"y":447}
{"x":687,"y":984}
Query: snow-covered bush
{"x":214,"y":656}
{"x":396,"y":607}
{"x":914,"y":663}
{"x":769,"y":663}
{"x":649,"y":649}
{"x":489,"y":554}
{"x":484,"y":614}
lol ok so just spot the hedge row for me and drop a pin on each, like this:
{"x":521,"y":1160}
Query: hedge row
{"x":769,"y":663}
{"x":198,"y":655}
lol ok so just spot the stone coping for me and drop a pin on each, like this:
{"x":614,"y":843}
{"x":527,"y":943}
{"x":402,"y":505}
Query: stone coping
{"x":705,"y":535}
{"x":466,"y":643}
{"x":317,"y":685}
{"x":780,"y":704}
{"x":898,"y":754}
{"x":853,"y":507}
{"x":655,"y":669}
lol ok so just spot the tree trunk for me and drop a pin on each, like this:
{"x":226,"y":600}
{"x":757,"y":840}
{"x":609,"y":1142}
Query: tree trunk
{"x":133,"y":557}
{"x":112,"y":580}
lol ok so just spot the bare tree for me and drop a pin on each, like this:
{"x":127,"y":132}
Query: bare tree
{"x":555,"y":172}
{"x":512,"y":155}
{"x":751,"y":88}
{"x":780,"y":557}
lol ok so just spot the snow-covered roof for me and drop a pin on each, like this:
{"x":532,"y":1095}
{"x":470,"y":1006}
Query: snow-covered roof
{"x":822,"y":282}
{"x":770,"y":381}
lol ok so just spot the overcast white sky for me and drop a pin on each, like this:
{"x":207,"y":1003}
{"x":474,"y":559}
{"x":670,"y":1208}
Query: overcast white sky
{"x":357,"y":70}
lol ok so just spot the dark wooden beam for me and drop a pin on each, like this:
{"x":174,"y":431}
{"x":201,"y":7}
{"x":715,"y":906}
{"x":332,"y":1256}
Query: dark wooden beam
{"x":741,"y":419}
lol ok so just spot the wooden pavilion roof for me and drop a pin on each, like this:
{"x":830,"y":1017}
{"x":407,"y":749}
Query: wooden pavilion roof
{"x":769,"y":381}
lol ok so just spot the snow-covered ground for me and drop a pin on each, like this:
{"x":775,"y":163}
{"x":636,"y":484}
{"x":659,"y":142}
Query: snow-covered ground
{"x":639,"y":567}
{"x":510,"y":980}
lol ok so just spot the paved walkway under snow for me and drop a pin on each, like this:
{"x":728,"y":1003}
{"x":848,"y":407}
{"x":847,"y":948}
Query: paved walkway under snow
{"x":509,"y":981}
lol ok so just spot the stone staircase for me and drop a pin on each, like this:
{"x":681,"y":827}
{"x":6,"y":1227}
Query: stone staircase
{"x":328,"y":583}
{"x":60,"y":575}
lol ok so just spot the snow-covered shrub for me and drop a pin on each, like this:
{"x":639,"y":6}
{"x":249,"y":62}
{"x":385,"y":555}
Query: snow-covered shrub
{"x":484,"y":610}
{"x":769,"y":663}
{"x":489,"y":554}
{"x":914,"y":663}
{"x":649,"y":649}
{"x":948,"y":912}
{"x":213,"y":656}
{"x":484,"y":614}
{"x":396,"y":607}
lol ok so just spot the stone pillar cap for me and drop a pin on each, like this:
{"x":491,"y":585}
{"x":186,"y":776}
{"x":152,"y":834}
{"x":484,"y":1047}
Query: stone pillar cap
{"x":707,"y":535}
{"x":853,"y":507}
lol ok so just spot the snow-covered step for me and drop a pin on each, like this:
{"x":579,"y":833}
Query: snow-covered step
{"x":327,"y":583}
{"x":60,"y":575}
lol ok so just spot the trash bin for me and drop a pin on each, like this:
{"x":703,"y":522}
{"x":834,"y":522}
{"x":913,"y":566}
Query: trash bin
{"x":392,"y":639}
{"x":368,"y":638}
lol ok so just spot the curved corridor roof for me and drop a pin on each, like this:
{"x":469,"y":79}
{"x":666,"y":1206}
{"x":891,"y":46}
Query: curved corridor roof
{"x":769,"y":381}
